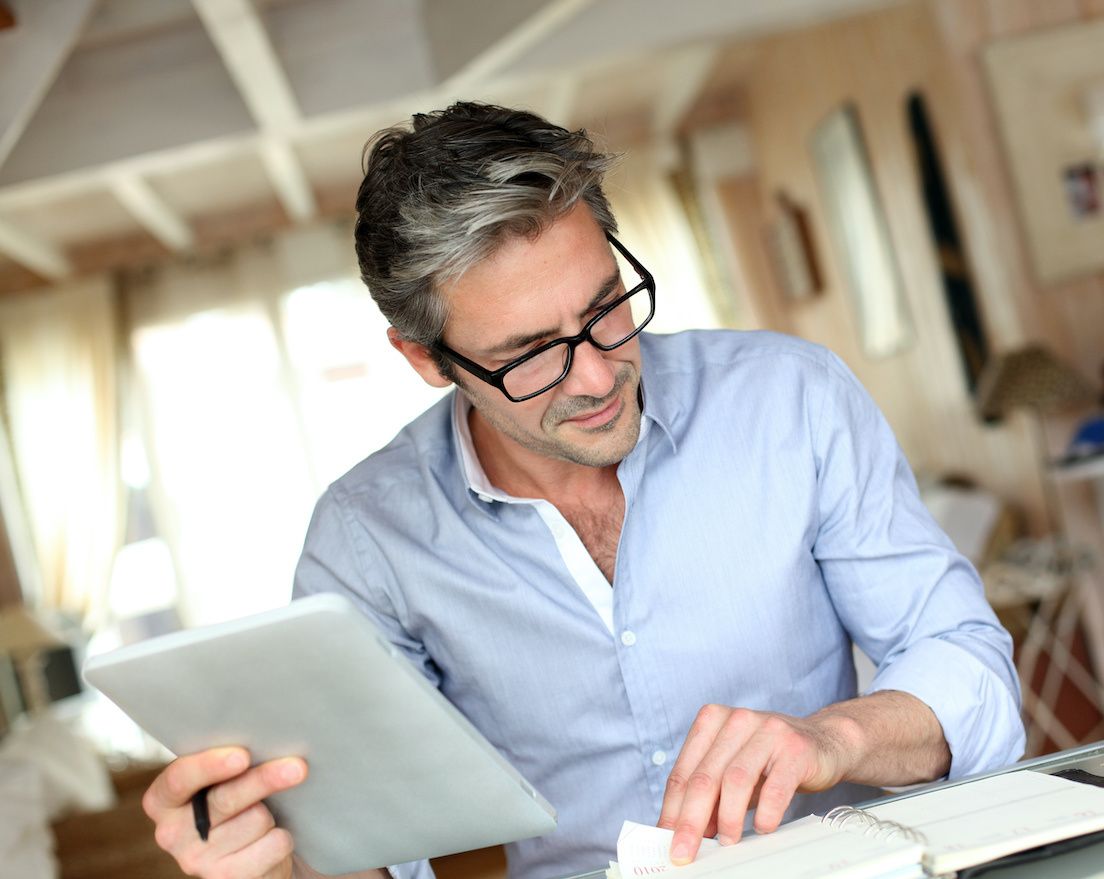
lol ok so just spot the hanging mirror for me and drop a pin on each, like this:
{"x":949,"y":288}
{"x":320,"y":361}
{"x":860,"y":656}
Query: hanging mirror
{"x":857,"y":226}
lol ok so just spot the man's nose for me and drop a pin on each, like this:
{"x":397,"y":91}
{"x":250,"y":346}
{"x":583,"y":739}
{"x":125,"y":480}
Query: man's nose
{"x":591,"y":375}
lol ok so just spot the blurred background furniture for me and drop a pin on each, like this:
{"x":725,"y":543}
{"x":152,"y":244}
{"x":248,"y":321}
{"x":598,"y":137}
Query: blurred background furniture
{"x":1048,"y":587}
{"x":37,"y":665}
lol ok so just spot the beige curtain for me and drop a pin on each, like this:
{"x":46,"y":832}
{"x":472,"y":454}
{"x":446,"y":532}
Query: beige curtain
{"x":58,"y":360}
{"x":654,"y":227}
{"x":231,"y":481}
{"x":228,"y":485}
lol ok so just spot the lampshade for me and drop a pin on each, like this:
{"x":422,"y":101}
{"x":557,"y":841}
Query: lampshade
{"x":1029,"y":378}
{"x":21,"y":632}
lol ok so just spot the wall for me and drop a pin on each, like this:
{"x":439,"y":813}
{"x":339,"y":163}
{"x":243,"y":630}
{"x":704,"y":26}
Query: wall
{"x":876,"y":60}
{"x":1069,"y":316}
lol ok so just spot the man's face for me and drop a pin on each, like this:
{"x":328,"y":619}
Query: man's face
{"x":528,"y":293}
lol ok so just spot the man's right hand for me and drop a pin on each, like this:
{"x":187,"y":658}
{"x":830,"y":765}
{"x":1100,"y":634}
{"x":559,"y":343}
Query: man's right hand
{"x":244,"y":841}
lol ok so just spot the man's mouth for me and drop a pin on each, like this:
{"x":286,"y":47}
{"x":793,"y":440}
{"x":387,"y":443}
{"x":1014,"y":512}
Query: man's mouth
{"x":602,"y":417}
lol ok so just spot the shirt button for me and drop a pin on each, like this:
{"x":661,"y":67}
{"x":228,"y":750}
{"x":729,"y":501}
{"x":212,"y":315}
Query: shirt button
{"x":628,"y":638}
{"x":486,"y":498}
{"x":659,"y":757}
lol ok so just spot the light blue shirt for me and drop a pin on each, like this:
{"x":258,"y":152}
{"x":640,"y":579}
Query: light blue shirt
{"x":770,"y":521}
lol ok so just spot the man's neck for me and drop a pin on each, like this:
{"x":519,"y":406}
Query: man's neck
{"x":589,"y":498}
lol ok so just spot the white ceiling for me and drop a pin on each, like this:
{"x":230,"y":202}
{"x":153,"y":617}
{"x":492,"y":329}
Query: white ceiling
{"x":146,"y":121}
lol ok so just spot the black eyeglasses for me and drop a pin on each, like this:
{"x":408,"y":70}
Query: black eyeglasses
{"x":545,"y":367}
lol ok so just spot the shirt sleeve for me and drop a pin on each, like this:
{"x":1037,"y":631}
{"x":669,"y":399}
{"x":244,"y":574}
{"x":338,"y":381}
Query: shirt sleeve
{"x":339,"y":556}
{"x":909,"y":600}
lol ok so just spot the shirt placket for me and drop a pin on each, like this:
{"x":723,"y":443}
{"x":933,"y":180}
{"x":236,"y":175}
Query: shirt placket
{"x":632,"y":642}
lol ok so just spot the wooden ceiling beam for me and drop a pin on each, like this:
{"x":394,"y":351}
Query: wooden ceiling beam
{"x":32,"y":253}
{"x":513,"y":44}
{"x":149,"y":209}
{"x":241,"y":39}
{"x":286,"y":173}
{"x":16,"y":279}
{"x":212,"y":232}
{"x":239,"y":34}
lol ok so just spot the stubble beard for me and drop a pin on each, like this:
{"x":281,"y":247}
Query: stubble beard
{"x":624,"y":429}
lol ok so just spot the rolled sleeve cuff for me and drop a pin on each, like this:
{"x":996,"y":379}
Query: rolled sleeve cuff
{"x":979,"y":715}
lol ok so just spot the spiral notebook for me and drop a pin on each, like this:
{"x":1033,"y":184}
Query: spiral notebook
{"x":930,"y":834}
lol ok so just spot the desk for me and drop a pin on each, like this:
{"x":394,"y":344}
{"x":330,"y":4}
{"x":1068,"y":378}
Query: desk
{"x":1084,"y":864}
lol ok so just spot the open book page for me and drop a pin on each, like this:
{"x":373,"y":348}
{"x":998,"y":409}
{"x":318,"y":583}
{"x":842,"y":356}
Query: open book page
{"x":643,"y":850}
{"x":979,"y":821}
{"x":804,"y":849}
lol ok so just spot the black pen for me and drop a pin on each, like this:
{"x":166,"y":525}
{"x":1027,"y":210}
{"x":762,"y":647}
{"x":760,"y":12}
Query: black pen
{"x":200,"y":813}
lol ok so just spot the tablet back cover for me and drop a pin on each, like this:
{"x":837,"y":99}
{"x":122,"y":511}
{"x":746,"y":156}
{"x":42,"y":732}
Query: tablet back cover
{"x":396,"y":772}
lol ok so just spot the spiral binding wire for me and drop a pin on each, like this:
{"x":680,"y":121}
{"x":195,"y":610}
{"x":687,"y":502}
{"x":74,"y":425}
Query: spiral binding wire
{"x":864,"y":822}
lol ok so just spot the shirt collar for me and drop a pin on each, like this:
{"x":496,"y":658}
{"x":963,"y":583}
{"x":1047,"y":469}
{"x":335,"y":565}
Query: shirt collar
{"x":661,"y":404}
{"x":474,"y":476}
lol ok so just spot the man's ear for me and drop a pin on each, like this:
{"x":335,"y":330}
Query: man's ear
{"x":419,"y":357}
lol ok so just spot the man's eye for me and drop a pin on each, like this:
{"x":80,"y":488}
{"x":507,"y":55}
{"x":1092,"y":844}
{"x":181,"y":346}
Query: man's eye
{"x":524,"y":352}
{"x":619,"y":290}
{"x":605,"y":303}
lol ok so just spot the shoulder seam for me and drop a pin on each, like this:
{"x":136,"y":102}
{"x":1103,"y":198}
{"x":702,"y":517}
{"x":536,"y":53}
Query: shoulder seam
{"x":363,"y":568}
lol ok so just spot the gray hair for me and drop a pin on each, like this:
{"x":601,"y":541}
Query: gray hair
{"x":443,"y":195}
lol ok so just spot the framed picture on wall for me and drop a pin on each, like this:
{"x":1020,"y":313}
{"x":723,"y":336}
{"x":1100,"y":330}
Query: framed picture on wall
{"x":858,"y":231}
{"x":792,"y":251}
{"x":1048,"y":88}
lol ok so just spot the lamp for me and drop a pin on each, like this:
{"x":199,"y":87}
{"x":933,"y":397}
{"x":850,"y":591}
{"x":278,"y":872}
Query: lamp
{"x":1034,"y":379}
{"x":22,"y":633}
{"x":27,"y":646}
{"x":1029,"y":378}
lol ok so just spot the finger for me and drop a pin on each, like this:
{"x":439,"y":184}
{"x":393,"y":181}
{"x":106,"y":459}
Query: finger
{"x":197,"y":857}
{"x":789,"y":769}
{"x":226,"y":800}
{"x":242,"y":830}
{"x":704,"y":785}
{"x":179,"y":781}
{"x":703,"y":732}
{"x":711,"y":827}
{"x":739,"y":781}
{"x":268,"y":857}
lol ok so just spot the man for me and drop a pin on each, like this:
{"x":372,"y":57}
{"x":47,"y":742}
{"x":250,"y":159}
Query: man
{"x":636,"y":563}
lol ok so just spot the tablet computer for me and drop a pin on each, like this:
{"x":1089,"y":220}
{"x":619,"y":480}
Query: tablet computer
{"x":397,"y":773}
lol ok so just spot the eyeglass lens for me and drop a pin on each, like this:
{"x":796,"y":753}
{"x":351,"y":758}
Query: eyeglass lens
{"x":612,"y":329}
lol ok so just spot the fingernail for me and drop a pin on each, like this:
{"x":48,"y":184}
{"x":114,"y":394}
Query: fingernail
{"x":725,"y":840}
{"x":237,"y":761}
{"x":680,"y":854}
{"x":291,"y":771}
